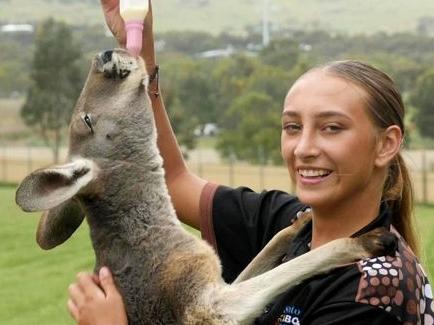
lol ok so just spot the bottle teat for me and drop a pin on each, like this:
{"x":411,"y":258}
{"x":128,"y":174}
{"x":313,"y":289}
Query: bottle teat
{"x":134,"y":29}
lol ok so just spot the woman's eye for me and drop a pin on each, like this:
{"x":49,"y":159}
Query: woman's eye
{"x":291,"y":127}
{"x":332,"y":128}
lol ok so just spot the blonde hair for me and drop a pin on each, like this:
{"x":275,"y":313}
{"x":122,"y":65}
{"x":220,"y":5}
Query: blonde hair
{"x":386,"y":107}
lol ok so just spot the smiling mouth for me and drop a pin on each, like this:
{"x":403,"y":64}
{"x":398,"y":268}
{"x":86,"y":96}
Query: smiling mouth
{"x":313,"y":173}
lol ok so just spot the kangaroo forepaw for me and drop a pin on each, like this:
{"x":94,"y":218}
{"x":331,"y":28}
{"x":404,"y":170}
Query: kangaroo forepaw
{"x":379,"y":242}
{"x":115,"y":63}
{"x":302,"y":218}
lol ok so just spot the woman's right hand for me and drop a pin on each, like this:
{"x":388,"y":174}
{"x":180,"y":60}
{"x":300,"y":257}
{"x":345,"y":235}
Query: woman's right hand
{"x":95,"y":300}
{"x":114,"y":20}
{"x":117,"y":26}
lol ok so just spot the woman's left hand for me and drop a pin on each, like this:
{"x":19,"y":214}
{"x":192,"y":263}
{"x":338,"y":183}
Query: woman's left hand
{"x":111,"y":11}
{"x":95,"y":300}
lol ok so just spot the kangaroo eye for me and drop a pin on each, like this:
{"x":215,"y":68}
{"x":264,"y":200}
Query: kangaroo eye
{"x":88,"y":122}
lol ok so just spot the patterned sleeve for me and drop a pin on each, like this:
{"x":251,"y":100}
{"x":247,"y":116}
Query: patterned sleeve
{"x":398,"y":285}
{"x":391,"y":290}
{"x":379,"y":290}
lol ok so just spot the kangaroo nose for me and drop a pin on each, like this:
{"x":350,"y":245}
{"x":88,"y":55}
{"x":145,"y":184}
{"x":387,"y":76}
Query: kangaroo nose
{"x":115,"y":63}
{"x":106,"y":56}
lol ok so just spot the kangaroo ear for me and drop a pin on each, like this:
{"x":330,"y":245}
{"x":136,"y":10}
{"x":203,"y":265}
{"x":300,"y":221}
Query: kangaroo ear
{"x":58,"y":224}
{"x":47,"y":188}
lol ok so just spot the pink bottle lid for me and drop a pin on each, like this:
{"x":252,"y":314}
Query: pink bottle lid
{"x":134,"y":30}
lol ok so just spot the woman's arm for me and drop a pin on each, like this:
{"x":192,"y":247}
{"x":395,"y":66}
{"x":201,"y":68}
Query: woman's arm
{"x":184,"y":187}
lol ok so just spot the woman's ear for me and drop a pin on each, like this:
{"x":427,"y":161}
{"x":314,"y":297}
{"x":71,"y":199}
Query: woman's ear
{"x":388,"y":145}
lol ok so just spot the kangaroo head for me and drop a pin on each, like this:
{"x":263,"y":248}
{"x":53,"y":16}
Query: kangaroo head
{"x":111,"y":134}
{"x":112,"y":118}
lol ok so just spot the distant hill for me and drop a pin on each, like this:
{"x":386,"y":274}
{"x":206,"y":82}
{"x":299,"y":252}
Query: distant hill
{"x":347,"y":16}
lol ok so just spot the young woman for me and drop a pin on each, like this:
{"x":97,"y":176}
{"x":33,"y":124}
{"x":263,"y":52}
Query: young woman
{"x":342,"y":129}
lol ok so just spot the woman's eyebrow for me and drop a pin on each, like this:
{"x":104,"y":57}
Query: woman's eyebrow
{"x":322,"y":114}
{"x":290,"y":114}
{"x":327,"y":114}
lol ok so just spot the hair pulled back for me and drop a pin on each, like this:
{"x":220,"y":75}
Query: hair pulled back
{"x":386,"y":107}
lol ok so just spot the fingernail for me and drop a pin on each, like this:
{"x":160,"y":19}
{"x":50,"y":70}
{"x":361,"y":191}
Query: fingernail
{"x":104,"y":272}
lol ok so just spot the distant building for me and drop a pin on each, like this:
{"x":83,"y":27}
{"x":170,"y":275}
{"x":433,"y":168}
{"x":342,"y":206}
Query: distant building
{"x":217,"y":53}
{"x":193,"y":3}
{"x":208,"y":130}
{"x":225,"y":53}
{"x":305,"y":47}
{"x":425,"y":26}
{"x":17,"y":28}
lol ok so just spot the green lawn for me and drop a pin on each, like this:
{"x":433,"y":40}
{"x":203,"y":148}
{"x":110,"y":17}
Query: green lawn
{"x":425,"y":223}
{"x":34,"y":282}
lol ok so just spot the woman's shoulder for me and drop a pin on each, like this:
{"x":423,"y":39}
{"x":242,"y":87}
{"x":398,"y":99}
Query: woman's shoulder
{"x":397,"y":284}
{"x":273,"y":199}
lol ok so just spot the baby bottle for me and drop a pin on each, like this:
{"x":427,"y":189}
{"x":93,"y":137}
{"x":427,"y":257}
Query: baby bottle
{"x":133,"y":12}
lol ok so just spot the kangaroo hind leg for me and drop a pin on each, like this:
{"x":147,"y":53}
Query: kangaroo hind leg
{"x":271,"y":255}
{"x":244,"y":301}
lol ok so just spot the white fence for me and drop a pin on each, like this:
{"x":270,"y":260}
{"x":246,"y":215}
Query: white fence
{"x":17,"y":162}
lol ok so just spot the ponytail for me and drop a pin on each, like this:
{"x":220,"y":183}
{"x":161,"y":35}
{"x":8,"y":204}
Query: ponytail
{"x":398,"y":193}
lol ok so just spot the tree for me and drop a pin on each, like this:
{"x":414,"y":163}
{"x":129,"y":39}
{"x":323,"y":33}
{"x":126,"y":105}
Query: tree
{"x":255,"y":94}
{"x":230,"y":77}
{"x":252,"y":129}
{"x":270,"y":80}
{"x":189,"y":97}
{"x":14,"y":59}
{"x":423,"y":99}
{"x":283,"y":53}
{"x":56,"y":80}
{"x":184,"y":126}
{"x":188,"y":82}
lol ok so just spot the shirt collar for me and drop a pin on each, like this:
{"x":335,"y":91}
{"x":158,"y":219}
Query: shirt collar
{"x":384,"y":219}
{"x":301,"y":243}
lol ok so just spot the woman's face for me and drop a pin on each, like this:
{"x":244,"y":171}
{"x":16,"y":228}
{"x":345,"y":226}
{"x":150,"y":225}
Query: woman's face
{"x":329,"y":141}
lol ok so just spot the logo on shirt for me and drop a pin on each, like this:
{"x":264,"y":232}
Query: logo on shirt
{"x":291,"y":316}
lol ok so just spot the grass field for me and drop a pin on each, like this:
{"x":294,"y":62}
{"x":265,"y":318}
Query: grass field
{"x":34,"y":282}
{"x":350,"y":16}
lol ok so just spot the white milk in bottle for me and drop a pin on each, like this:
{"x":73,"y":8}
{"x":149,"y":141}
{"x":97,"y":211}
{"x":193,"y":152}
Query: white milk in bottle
{"x":134,"y":12}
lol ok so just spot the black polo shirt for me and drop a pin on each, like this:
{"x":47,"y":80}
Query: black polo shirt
{"x":382,"y":290}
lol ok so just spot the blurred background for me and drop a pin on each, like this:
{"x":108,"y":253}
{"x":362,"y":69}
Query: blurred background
{"x":225,"y":68}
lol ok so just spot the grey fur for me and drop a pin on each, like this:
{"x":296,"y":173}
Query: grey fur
{"x":116,"y":176}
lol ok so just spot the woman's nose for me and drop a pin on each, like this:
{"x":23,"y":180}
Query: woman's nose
{"x":306,"y":146}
